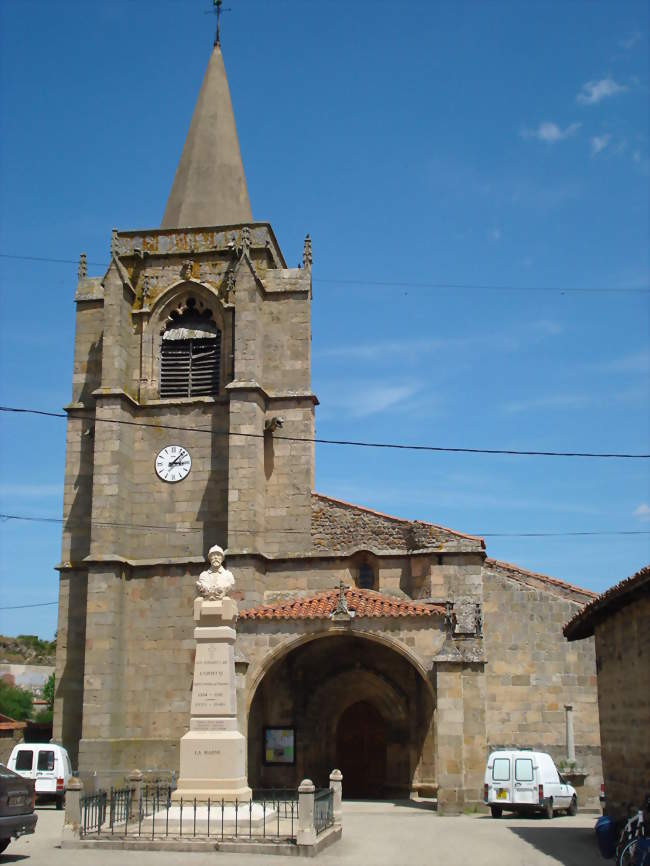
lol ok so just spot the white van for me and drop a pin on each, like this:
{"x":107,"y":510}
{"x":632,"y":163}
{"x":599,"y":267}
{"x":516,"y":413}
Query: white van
{"x":48,"y":764}
{"x":526,"y":781}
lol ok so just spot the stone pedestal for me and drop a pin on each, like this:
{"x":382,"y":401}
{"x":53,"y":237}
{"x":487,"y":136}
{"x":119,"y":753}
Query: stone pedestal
{"x":213,"y":752}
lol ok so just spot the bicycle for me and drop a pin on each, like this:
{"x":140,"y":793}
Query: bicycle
{"x":631,"y":850}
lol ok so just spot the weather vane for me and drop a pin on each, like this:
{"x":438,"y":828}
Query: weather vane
{"x":218,"y":10}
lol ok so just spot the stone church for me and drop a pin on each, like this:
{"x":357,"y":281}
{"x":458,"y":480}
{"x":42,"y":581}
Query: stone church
{"x":394,"y":650}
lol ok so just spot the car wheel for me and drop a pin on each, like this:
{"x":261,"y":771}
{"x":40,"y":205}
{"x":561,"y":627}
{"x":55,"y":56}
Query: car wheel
{"x":548,"y":808}
{"x":573,"y":808}
{"x":496,"y":811}
{"x":3,"y":844}
{"x":60,"y":802}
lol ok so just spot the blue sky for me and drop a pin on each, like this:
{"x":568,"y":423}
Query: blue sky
{"x":473,"y":144}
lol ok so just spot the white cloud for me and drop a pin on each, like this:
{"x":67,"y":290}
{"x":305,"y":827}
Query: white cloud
{"x":599,"y":143}
{"x":550,"y":132}
{"x":548,"y":327}
{"x":635,"y":397}
{"x":642,"y":511}
{"x":631,"y":40}
{"x":638,"y":362}
{"x":594,"y":91}
{"x":641,"y":162}
{"x":391,"y":348}
{"x":23,"y":490}
{"x":360,"y":399}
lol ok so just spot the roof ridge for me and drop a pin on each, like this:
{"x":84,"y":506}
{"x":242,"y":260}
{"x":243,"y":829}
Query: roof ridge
{"x":510,"y":566}
{"x":321,"y":604}
{"x":620,"y":589}
{"x":393,"y":517}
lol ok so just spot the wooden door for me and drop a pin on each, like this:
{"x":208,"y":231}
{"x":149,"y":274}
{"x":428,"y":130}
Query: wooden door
{"x":361,"y":751}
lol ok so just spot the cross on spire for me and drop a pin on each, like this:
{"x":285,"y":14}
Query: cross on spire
{"x":218,"y":10}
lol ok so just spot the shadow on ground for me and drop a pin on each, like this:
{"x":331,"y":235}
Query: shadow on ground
{"x":572,"y":846}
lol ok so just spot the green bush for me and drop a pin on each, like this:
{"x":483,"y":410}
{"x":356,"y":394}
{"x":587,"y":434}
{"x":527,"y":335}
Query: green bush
{"x":44,"y":717}
{"x":15,"y":702}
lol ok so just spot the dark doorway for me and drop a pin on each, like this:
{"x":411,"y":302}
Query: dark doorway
{"x":361,"y":751}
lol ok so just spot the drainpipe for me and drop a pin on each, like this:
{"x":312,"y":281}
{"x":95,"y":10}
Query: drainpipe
{"x":570,"y":739}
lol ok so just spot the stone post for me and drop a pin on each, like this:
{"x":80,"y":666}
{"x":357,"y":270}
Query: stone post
{"x":336,"y":784}
{"x":570,"y":739}
{"x":73,"y":806}
{"x":135,"y":784}
{"x":306,"y":827}
{"x":213,"y":751}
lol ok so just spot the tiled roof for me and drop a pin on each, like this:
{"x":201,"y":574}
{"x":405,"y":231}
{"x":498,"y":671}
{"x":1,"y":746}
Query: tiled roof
{"x":364,"y":603}
{"x":541,"y":581}
{"x":582,"y":624}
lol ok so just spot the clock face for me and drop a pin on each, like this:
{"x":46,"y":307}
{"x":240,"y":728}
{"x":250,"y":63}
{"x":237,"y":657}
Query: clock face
{"x":173,"y":463}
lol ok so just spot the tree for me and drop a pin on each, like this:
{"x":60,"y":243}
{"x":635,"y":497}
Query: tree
{"x":48,"y":692}
{"x":15,"y":702}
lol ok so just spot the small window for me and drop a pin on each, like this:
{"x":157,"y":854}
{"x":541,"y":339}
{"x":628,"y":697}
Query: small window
{"x":24,"y":759}
{"x":524,"y":770}
{"x":366,"y":576}
{"x":501,"y":770}
{"x":45,"y":761}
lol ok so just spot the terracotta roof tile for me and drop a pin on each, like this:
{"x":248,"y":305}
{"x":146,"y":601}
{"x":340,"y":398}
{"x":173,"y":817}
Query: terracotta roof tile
{"x":364,"y":603}
{"x":582,"y":624}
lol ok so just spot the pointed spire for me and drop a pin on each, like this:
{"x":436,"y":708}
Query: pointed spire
{"x":209,"y":188}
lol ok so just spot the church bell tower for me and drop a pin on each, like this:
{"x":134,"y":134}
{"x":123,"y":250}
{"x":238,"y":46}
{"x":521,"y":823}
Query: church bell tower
{"x":190,"y":425}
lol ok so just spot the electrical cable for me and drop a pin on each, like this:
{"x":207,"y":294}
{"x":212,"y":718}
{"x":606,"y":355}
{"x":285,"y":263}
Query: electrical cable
{"x":348,"y":442}
{"x":85,"y":524}
{"x":399,"y":284}
{"x":19,"y":606}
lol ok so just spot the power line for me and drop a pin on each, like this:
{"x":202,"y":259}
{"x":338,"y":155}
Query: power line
{"x":19,"y":606}
{"x":146,"y":528}
{"x":488,"y":287}
{"x":347,"y":442}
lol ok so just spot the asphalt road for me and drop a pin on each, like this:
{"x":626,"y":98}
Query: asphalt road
{"x":381,"y":834}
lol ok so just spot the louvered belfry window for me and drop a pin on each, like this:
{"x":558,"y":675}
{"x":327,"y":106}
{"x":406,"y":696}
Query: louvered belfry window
{"x":190,"y":355}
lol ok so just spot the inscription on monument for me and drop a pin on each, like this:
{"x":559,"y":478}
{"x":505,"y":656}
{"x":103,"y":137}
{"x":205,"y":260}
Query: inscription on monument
{"x":214,"y":690}
{"x":210,"y":724}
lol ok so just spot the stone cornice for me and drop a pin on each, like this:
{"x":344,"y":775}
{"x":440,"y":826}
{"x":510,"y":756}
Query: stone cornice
{"x":253,"y":387}
{"x":114,"y":559}
{"x":144,"y":243}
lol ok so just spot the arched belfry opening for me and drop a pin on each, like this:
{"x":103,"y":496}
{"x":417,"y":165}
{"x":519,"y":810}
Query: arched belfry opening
{"x":190,"y":352}
{"x":349,"y":702}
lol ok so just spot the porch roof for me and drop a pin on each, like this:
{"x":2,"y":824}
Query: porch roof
{"x":362,"y":602}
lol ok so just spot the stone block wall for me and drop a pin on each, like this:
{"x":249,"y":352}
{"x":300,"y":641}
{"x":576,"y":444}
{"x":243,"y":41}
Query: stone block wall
{"x":70,"y":660}
{"x":532,"y":673}
{"x":623,"y":659}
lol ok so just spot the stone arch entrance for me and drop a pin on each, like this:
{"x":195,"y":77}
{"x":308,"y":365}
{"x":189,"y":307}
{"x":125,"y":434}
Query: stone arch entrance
{"x":355,"y":704}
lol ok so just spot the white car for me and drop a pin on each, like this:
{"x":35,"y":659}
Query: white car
{"x":525,"y":781}
{"x":48,"y":764}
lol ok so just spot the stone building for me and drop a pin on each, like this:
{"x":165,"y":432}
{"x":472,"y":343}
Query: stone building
{"x":620,"y":621}
{"x":394,"y":649}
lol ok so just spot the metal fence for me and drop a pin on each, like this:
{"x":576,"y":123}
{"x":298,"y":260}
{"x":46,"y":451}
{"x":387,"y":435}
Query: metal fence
{"x":323,"y":809}
{"x":271,"y":815}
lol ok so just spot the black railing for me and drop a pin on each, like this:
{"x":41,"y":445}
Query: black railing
{"x":323,"y":809}
{"x":93,"y":813}
{"x":119,"y":806}
{"x":270,"y":815}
